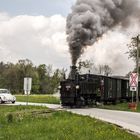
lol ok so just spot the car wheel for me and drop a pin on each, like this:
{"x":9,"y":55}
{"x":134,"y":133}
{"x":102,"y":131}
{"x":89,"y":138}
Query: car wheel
{"x":13,"y":102}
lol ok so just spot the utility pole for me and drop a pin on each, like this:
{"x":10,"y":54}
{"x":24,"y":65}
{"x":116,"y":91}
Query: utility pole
{"x":137,"y":65}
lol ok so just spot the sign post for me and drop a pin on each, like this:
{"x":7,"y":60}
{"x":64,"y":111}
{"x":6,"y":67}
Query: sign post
{"x":27,"y":86}
{"x":133,"y":82}
{"x":137,"y":64}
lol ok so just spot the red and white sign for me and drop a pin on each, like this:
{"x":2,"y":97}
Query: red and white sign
{"x":133,"y":81}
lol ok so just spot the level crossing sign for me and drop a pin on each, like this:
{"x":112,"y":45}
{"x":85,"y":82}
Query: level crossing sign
{"x":133,"y":81}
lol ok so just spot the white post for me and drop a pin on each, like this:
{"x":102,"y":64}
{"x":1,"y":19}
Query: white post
{"x":27,"y":87}
{"x":132,"y":96}
{"x":137,"y":64}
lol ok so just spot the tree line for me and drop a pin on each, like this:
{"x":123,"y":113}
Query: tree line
{"x":88,"y":65}
{"x":45,"y":79}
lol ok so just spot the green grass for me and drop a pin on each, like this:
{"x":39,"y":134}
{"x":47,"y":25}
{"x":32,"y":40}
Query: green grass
{"x":55,"y":100}
{"x":119,"y":106}
{"x":39,"y":123}
{"x":38,"y":99}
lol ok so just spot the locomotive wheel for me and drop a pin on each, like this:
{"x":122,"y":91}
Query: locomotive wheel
{"x":105,"y":102}
{"x":80,"y":102}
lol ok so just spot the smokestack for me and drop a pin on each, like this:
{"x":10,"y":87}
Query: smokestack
{"x":73,"y":72}
{"x":90,"y":19}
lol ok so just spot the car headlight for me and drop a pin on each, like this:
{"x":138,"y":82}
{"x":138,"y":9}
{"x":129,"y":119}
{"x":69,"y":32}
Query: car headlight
{"x":3,"y":97}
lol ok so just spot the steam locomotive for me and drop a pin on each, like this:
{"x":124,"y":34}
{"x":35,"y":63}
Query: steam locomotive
{"x":88,"y":89}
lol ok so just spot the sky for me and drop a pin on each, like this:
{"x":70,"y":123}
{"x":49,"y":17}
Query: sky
{"x":35,"y":29}
{"x":36,"y":7}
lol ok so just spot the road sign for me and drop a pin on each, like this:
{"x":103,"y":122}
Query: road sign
{"x":27,"y":85}
{"x":133,"y":81}
{"x":133,"y":88}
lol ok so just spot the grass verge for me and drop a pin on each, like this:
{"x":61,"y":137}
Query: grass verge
{"x":38,"y":99}
{"x":39,"y":123}
{"x":119,"y":106}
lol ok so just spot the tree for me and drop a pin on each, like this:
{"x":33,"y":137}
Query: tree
{"x":107,"y":70}
{"x":49,"y":78}
{"x":89,"y":65}
{"x":41,"y":71}
{"x":45,"y":79}
{"x":58,"y":75}
{"x":85,"y":65}
{"x":133,"y":48}
{"x":25,"y":69}
{"x":104,"y":70}
{"x":35,"y":82}
{"x":10,"y":78}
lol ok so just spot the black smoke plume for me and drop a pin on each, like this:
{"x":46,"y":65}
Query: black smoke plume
{"x":90,"y":19}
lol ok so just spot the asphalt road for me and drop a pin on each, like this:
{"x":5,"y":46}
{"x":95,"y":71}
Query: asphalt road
{"x":127,"y":120}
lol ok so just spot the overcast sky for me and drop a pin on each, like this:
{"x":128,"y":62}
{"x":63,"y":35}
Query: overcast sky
{"x":35,"y":29}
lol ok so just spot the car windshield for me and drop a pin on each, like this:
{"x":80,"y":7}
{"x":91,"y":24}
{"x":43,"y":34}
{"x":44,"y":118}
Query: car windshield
{"x":4,"y":91}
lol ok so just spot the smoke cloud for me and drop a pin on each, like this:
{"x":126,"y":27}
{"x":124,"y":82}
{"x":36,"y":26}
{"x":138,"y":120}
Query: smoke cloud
{"x":90,"y":19}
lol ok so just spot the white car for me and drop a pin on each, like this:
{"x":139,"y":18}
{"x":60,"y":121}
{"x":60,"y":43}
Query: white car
{"x":6,"y":96}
